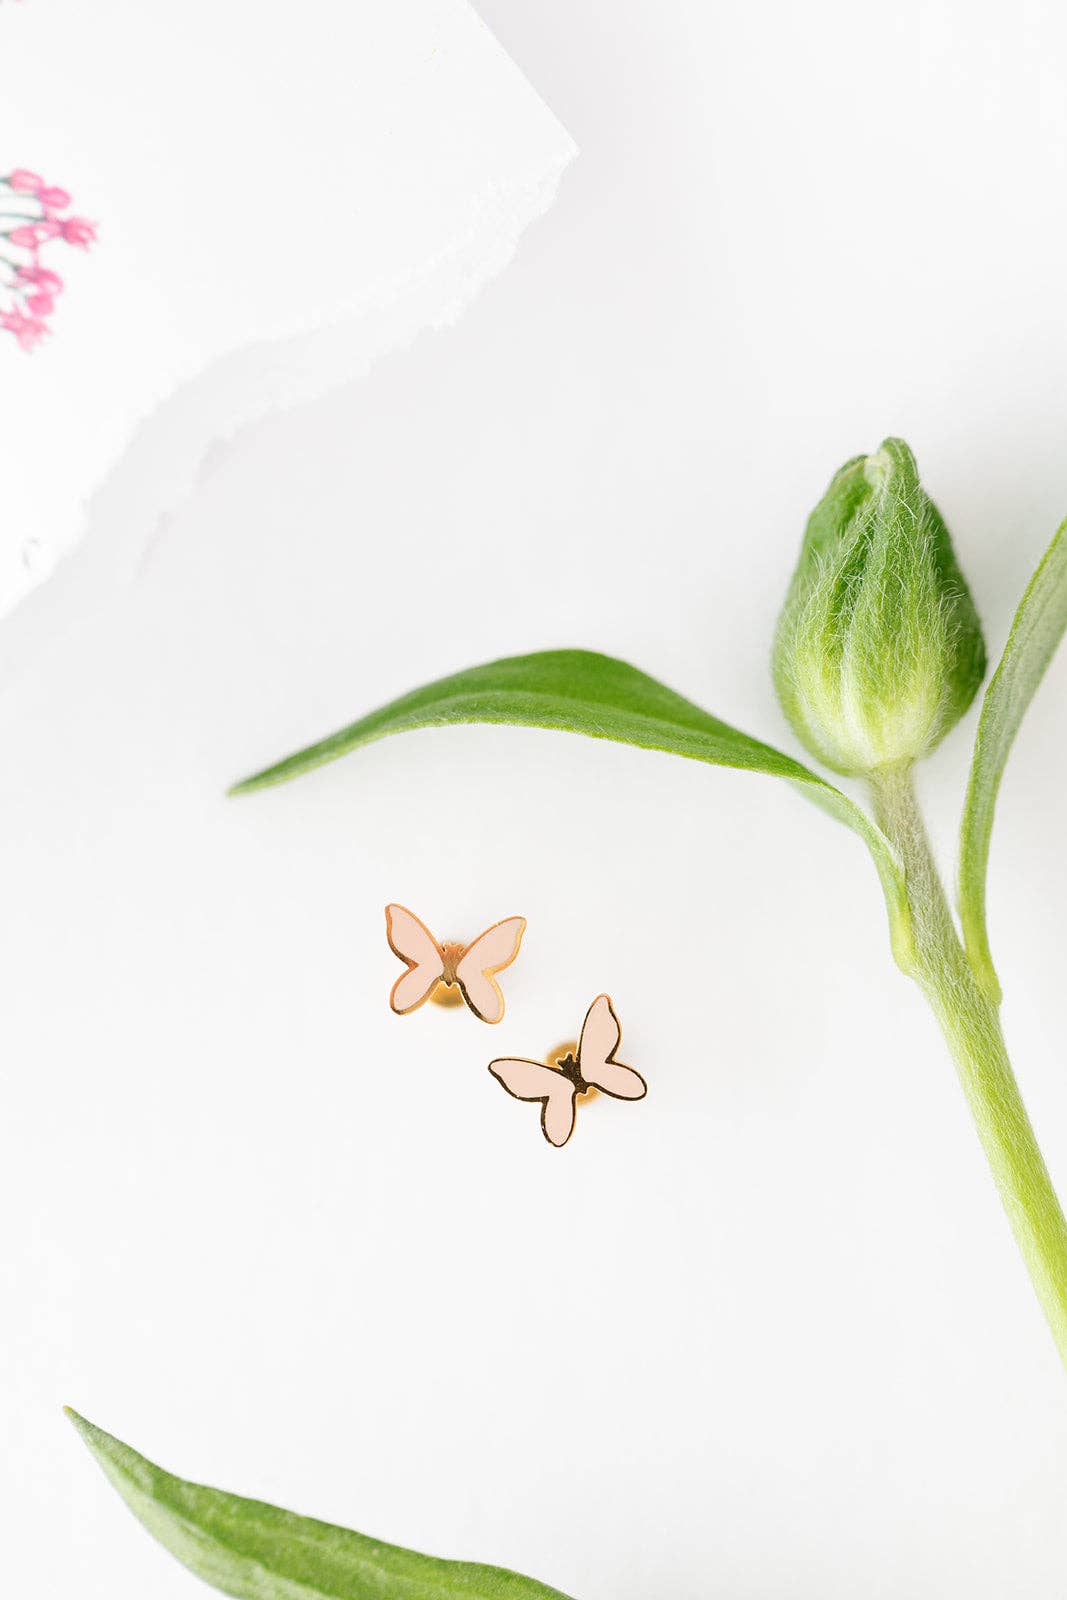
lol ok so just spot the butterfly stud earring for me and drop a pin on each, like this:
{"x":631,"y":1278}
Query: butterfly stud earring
{"x":437,"y":971}
{"x":575,"y":1076}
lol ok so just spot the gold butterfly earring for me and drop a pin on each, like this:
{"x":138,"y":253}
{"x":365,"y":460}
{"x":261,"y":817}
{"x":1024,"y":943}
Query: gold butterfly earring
{"x":579,"y":1072}
{"x":447,"y":972}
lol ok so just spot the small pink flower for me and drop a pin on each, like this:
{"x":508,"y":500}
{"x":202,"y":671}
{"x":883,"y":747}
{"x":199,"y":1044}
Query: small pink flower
{"x":75,"y":230}
{"x":36,"y":287}
{"x":24,"y":182}
{"x":29,"y":331}
{"x":54,"y":198}
{"x":50,"y":282}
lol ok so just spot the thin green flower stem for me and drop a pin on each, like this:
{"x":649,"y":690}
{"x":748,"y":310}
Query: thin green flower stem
{"x":972,"y":1030}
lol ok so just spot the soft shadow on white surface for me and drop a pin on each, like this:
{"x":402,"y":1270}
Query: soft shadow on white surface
{"x":285,"y":1242}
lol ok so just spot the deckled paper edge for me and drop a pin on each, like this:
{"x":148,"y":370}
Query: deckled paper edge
{"x":307,"y":362}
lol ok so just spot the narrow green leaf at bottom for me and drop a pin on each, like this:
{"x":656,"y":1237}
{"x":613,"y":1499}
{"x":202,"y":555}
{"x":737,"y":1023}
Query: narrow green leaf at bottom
{"x":256,"y":1551}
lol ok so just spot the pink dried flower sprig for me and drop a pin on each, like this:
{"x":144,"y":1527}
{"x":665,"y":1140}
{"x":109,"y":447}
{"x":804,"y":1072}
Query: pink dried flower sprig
{"x":29,"y":220}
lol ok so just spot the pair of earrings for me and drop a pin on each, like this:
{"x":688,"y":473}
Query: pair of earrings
{"x":579,"y":1071}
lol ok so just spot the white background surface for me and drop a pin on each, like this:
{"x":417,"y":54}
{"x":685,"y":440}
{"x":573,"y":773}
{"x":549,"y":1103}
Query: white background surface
{"x":765,"y":1334}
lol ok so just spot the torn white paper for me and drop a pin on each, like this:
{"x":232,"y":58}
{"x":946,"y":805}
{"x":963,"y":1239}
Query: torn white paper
{"x":282,"y":194}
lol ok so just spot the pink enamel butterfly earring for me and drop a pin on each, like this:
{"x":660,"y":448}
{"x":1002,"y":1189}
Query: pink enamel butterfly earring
{"x":449,"y":973}
{"x":579,"y":1071}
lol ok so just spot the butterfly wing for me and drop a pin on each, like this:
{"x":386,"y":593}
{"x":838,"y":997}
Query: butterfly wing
{"x":416,"y":946}
{"x":490,"y":953}
{"x":531,"y":1080}
{"x":601,"y":1037}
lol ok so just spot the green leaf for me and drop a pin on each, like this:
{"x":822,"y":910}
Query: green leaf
{"x":583,"y":692}
{"x":1035,"y":634}
{"x":259,"y":1552}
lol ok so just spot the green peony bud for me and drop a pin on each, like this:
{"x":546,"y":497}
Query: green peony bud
{"x":879,"y":650}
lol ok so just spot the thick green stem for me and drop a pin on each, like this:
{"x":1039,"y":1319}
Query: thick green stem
{"x":971,"y":1027}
